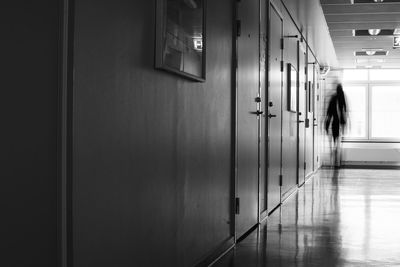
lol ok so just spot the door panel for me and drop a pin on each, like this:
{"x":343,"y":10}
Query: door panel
{"x":274,"y":109}
{"x":315,"y":120}
{"x":310,"y":116}
{"x":301,"y":114}
{"x":289,"y":118}
{"x":247,"y":120}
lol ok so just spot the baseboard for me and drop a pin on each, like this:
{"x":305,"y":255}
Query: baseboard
{"x":217,"y":254}
{"x":366,"y":165}
{"x":289,"y":193}
{"x":369,"y":166}
{"x":371,"y":163}
{"x":247,"y":233}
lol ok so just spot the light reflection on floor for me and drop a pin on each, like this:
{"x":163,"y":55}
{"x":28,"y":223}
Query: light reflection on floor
{"x":349,"y":217}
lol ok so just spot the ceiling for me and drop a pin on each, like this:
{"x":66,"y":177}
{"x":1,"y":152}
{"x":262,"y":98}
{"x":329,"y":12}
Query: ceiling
{"x":345,"y":16}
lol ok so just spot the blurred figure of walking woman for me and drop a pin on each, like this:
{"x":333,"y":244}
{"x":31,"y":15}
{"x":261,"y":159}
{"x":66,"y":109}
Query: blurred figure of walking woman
{"x":335,"y":122}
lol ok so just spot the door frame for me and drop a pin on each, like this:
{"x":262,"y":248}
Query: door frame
{"x":64,"y":143}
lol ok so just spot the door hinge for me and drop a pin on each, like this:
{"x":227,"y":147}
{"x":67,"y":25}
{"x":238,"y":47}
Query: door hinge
{"x":282,"y":43}
{"x":237,"y":205}
{"x":280,"y":180}
{"x":238,"y":28}
{"x":281,"y":65}
{"x":305,"y":165}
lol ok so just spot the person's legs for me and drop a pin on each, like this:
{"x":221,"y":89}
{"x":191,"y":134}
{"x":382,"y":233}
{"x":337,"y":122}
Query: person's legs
{"x":336,"y":141}
{"x":339,"y":151}
{"x":335,"y":151}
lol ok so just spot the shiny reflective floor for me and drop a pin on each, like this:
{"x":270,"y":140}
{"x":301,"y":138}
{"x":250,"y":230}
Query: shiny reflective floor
{"x":346,"y":217}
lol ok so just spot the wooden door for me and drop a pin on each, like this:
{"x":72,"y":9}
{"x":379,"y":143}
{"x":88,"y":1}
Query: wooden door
{"x":315,"y":120}
{"x":309,"y":148}
{"x":301,"y":113}
{"x":274,"y":109}
{"x":247,"y":52}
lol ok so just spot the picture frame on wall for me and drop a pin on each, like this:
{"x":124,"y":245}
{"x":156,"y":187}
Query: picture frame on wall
{"x":180,"y":38}
{"x":292,"y":88}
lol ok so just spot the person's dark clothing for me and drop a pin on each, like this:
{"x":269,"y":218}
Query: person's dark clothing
{"x":336,"y":114}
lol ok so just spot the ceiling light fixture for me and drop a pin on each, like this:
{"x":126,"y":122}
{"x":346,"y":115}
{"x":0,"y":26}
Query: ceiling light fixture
{"x":396,"y":31}
{"x":378,"y":1}
{"x":370,"y":52}
{"x":369,"y":60}
{"x":374,"y":31}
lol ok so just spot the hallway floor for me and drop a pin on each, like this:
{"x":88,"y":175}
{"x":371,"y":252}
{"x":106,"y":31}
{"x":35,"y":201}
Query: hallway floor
{"x":346,"y":217}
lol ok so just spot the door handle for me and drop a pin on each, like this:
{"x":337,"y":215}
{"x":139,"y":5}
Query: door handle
{"x":258,"y":112}
{"x":271,"y":116}
{"x":315,"y":125}
{"x":300,"y":121}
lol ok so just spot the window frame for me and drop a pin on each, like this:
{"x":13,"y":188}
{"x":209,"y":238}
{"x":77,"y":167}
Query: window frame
{"x":367,"y":103}
{"x":368,"y":85}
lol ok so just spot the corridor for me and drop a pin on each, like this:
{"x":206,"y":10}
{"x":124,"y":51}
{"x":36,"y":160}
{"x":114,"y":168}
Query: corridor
{"x":346,"y":217}
{"x":162,"y":133}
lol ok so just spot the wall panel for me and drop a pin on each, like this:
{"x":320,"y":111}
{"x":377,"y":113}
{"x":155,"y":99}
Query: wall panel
{"x":28,"y":154}
{"x":311,"y":21}
{"x":152,"y":150}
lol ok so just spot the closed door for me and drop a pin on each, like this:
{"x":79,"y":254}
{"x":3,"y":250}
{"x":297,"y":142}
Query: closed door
{"x":274,"y":109}
{"x":301,"y":114}
{"x":315,"y":120}
{"x":247,"y":117}
{"x":309,"y":149}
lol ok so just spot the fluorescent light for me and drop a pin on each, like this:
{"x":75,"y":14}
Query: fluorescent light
{"x":369,"y":60}
{"x":378,"y":1}
{"x":396,"y":31}
{"x":374,"y":31}
{"x":370,"y":52}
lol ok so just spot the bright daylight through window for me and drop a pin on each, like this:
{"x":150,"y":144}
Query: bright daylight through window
{"x":373,"y":98}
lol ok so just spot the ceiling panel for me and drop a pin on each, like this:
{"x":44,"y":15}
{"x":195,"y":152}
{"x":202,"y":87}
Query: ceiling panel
{"x":361,"y":9}
{"x":343,"y":17}
{"x":358,"y":45}
{"x":343,"y":33}
{"x":362,"y":25}
{"x":363,"y":39}
{"x":392,"y":17}
{"x":334,"y":2}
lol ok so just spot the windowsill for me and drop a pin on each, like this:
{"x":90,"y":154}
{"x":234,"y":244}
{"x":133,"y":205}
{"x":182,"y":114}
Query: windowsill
{"x":369,"y":141}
